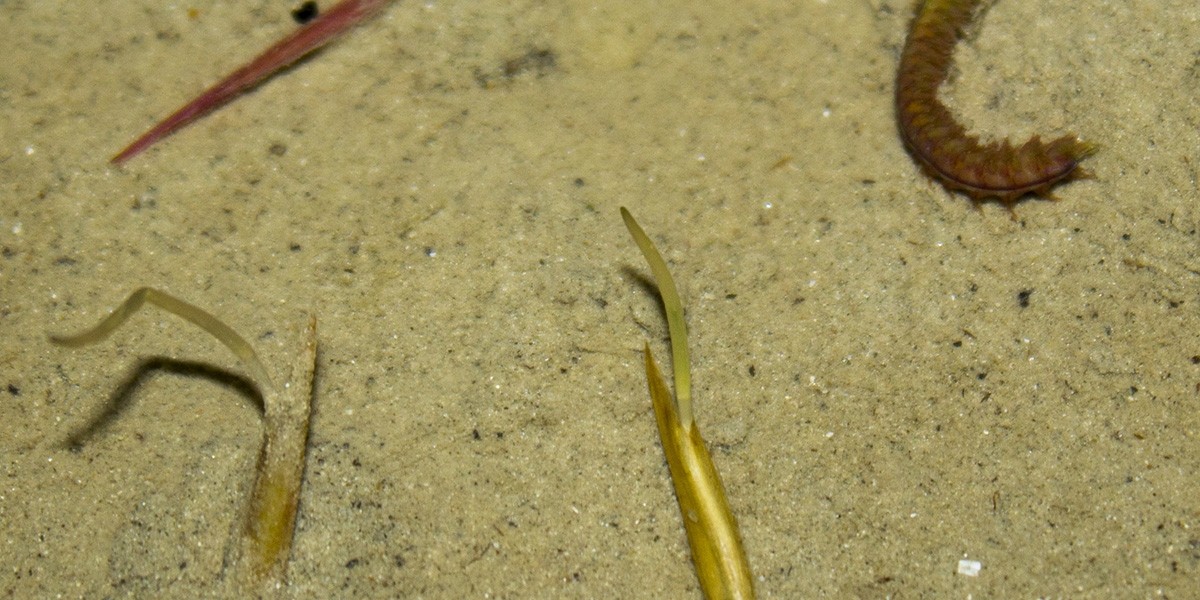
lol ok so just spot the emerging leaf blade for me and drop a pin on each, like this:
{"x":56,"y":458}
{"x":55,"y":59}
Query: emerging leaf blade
{"x":712,"y":532}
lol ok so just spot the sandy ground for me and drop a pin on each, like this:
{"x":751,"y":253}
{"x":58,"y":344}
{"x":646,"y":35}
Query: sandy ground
{"x":890,"y":379}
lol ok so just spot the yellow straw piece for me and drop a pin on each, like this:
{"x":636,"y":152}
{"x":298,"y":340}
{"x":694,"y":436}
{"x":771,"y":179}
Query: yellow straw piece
{"x":712,"y":532}
{"x":262,"y":548}
{"x":266,"y":539}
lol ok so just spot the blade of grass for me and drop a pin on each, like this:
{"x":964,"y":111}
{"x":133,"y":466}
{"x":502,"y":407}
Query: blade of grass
{"x":712,"y":532}
{"x":263,"y":545}
{"x":177,"y":307}
{"x":680,"y":360}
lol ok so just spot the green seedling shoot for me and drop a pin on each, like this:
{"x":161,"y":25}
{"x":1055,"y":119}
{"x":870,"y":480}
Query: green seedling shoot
{"x":260,"y":551}
{"x":712,"y":532}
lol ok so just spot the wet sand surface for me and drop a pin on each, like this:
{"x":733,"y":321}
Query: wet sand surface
{"x":890,"y":380}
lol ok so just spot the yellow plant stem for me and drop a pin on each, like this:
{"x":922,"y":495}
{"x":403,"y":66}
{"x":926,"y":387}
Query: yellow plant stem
{"x":712,"y":531}
{"x":264,"y":543}
{"x":270,"y":522}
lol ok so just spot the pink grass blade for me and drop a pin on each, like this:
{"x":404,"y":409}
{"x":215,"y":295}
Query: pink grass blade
{"x":331,"y":24}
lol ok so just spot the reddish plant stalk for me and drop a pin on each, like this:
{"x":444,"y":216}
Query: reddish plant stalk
{"x":320,"y":31}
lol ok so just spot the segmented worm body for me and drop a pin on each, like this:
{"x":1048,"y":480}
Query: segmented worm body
{"x":941,"y":145}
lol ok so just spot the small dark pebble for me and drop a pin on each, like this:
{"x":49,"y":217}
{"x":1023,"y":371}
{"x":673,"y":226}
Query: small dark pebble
{"x":1023,"y":298}
{"x":307,"y":11}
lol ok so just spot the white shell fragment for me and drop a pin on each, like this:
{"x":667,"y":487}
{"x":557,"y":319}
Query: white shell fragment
{"x":970,"y":568}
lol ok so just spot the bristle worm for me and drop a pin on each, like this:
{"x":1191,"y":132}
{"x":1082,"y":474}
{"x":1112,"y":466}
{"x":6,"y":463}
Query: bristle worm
{"x":941,"y":144}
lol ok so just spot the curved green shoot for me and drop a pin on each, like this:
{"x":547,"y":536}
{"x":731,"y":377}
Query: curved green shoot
{"x":184,"y":310}
{"x":677,"y":328}
{"x":260,"y":552}
{"x":712,"y":532}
